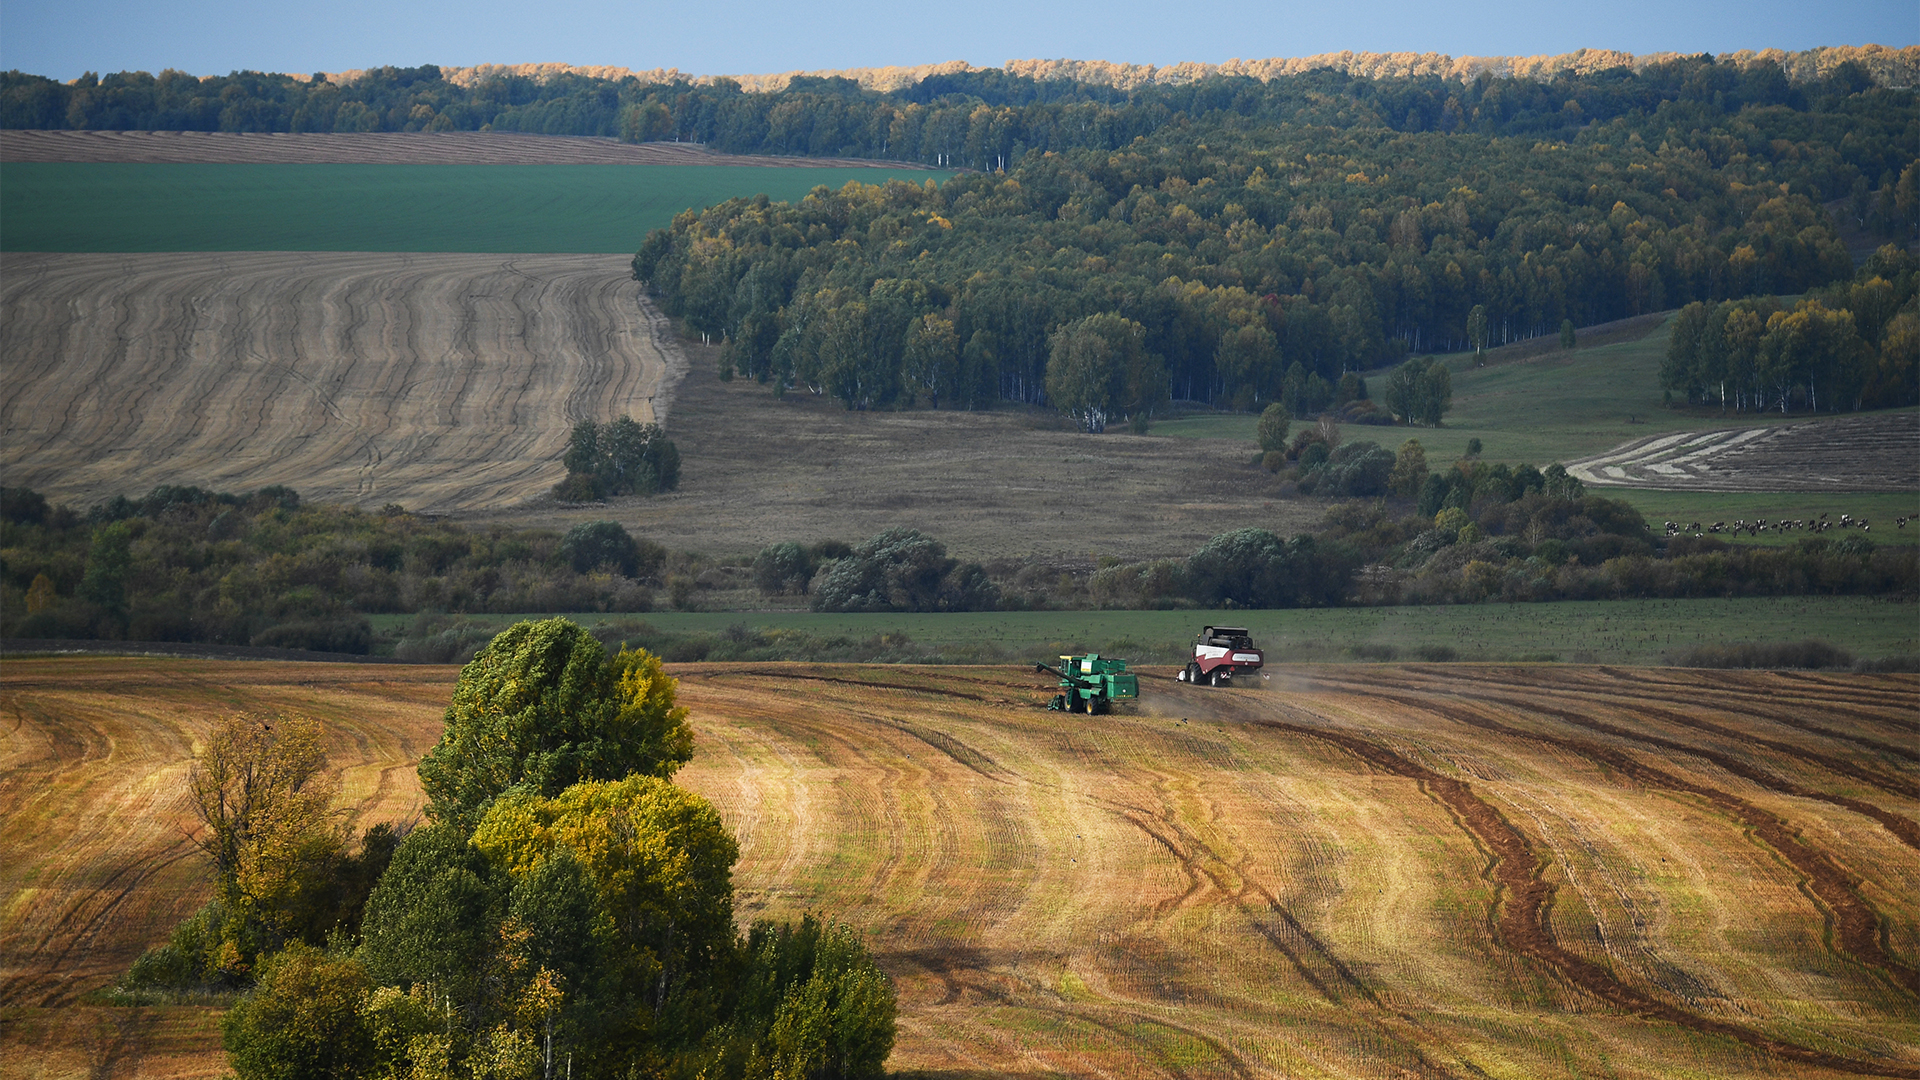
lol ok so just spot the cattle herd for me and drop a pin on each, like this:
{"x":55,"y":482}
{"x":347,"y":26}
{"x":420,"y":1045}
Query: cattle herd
{"x":1759,"y":525}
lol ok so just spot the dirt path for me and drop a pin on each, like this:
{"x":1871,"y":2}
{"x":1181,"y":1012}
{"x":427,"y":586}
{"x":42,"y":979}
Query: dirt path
{"x":441,"y":382}
{"x":382,"y":148}
{"x":1862,"y":453}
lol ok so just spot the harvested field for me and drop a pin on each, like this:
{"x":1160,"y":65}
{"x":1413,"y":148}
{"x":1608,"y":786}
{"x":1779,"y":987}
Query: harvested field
{"x":440,"y":382}
{"x":381,"y":148}
{"x":1863,"y":453}
{"x":1009,"y":482}
{"x":1398,"y":871}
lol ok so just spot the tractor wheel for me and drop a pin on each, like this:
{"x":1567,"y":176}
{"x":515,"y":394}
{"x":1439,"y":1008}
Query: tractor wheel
{"x":1223,"y":676}
{"x":1193,"y":674}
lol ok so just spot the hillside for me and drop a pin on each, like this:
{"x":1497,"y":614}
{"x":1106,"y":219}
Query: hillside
{"x":1390,"y":870}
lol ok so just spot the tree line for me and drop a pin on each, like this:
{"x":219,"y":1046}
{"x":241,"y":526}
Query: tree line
{"x":565,"y":905}
{"x":1849,"y":346}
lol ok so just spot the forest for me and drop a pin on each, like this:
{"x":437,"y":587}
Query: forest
{"x":1259,"y":247}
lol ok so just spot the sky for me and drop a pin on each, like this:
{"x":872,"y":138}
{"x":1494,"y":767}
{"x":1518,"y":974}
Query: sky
{"x":63,"y":38}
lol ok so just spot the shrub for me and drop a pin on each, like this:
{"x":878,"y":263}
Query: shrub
{"x":783,"y":568}
{"x":354,"y":636}
{"x":903,"y":570}
{"x":591,"y":545}
{"x":303,"y":1020}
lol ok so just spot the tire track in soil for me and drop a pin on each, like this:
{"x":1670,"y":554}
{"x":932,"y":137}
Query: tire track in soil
{"x":1895,"y":785}
{"x":1906,"y":830}
{"x":1521,"y":912}
{"x":1300,"y":947}
{"x":1764,"y":704}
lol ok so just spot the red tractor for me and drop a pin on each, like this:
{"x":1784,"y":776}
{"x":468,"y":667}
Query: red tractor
{"x":1219,"y":653}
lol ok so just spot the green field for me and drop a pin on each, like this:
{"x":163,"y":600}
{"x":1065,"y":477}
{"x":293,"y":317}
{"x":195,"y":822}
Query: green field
{"x":1555,"y":407}
{"x":1609,"y":632}
{"x":585,"y":209}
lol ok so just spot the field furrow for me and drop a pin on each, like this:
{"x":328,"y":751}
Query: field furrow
{"x":440,"y":382}
{"x":1355,"y":872}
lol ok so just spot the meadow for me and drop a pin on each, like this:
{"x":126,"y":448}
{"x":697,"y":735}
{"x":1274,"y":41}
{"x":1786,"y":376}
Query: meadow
{"x":1518,"y":871}
{"x":578,"y":209}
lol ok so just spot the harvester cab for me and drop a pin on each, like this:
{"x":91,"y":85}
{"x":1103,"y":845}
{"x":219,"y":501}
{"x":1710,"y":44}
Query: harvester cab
{"x":1091,"y":683}
{"x":1219,"y":653}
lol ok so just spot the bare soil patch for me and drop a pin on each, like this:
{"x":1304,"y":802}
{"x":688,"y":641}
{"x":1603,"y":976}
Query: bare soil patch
{"x":441,"y":382}
{"x":1009,"y":482}
{"x":1856,"y":453}
{"x":1406,"y":870}
{"x":382,"y":148}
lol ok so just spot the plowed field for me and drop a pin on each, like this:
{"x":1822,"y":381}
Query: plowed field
{"x":1360,"y":871}
{"x":441,"y":382}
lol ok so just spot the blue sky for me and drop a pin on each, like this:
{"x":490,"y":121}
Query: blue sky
{"x":62,"y":38}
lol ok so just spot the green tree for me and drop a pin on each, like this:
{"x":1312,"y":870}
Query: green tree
{"x":1272,"y":428}
{"x":434,"y":917}
{"x":932,"y":357}
{"x":1409,"y":470}
{"x":1567,"y":340}
{"x":1099,"y":366}
{"x":303,"y":1020}
{"x":543,"y":706}
{"x":661,"y":862}
{"x":1434,"y":394}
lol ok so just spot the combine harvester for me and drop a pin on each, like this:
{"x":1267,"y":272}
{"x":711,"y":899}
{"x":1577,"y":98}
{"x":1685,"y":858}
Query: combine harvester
{"x":1219,"y":653}
{"x":1091,"y":683}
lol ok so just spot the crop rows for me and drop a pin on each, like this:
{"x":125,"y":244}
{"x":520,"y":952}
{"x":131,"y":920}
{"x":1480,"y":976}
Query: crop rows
{"x":440,"y":382}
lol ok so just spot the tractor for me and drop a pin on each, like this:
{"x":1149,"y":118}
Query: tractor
{"x":1219,"y":653}
{"x":1091,"y":683}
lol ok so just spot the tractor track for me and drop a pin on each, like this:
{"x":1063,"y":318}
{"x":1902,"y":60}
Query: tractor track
{"x":1905,"y":829}
{"x":1857,"y":924}
{"x":1521,"y":913}
{"x":1647,"y":704}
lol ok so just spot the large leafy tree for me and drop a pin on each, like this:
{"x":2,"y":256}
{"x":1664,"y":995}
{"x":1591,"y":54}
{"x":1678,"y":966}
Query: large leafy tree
{"x":661,"y":863}
{"x":1099,"y":366}
{"x":543,"y":706}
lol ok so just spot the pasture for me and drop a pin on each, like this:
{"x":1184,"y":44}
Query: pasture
{"x":1502,"y":871}
{"x":594,"y":209}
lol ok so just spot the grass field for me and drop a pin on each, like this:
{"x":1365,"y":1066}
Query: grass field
{"x":1551,"y":407}
{"x":600,"y":209}
{"x":1356,"y":872}
{"x":1583,"y":631}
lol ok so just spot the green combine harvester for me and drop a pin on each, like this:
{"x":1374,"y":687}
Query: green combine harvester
{"x":1091,"y":683}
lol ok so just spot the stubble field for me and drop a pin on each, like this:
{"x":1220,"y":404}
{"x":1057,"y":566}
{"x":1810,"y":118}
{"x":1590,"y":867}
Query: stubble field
{"x":1396,"y":871}
{"x":441,"y":382}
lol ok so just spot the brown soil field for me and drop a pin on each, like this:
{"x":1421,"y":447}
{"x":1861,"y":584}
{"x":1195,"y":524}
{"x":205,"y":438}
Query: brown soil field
{"x":1005,"y":483}
{"x":1861,"y":453}
{"x":441,"y":382}
{"x":1361,"y":871}
{"x":382,"y":148}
